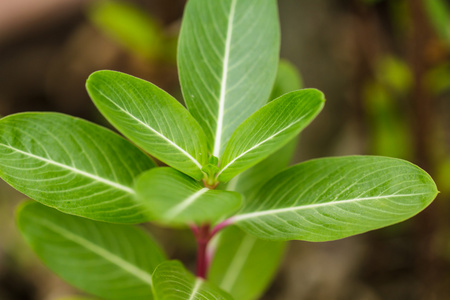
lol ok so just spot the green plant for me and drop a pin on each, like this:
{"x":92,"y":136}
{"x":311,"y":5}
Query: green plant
{"x":228,"y":145}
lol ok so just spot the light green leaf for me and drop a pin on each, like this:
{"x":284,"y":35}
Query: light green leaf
{"x":171,"y":281}
{"x":227,"y":56}
{"x":332,"y":198}
{"x":128,"y":25}
{"x":107,"y":260}
{"x":244,"y":265}
{"x":151,"y":118}
{"x":174,"y":198}
{"x":268,"y":130}
{"x":73,"y":165}
{"x":288,"y":79}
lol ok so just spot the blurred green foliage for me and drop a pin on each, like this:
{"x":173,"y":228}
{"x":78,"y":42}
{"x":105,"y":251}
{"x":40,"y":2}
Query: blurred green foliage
{"x":134,"y":29}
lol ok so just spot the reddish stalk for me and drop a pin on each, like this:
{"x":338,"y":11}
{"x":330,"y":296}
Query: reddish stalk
{"x":203,"y":235}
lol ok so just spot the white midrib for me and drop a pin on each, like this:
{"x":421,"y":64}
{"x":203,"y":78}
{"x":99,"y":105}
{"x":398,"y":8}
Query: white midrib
{"x":196,"y":288}
{"x":176,"y":210}
{"x":116,"y":260}
{"x":257,"y":214}
{"x":236,"y":265}
{"x":223,"y":87}
{"x":256,"y":146}
{"x":72,"y":169}
{"x":154,"y":131}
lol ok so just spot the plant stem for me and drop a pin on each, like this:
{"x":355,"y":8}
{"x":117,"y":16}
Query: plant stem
{"x":203,"y":235}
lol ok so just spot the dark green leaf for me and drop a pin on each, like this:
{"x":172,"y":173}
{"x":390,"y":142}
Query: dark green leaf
{"x":107,"y":260}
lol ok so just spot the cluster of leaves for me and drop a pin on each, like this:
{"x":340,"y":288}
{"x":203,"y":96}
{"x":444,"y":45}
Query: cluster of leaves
{"x":226,"y":156}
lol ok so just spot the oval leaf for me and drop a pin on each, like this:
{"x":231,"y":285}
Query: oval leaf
{"x":227,"y":60}
{"x":151,"y":118}
{"x":269,"y":129}
{"x":332,"y":198}
{"x":107,"y":260}
{"x":73,"y":165}
{"x":174,"y":198}
{"x":243,"y":265}
{"x":171,"y":281}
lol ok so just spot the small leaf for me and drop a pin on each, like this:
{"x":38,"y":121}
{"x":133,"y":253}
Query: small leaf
{"x":73,"y":165}
{"x":107,"y":260}
{"x":227,"y":59}
{"x":152,"y":119}
{"x":288,"y":79}
{"x":332,"y":198}
{"x":171,"y":281}
{"x":174,"y":198}
{"x":244,"y":265}
{"x":269,"y":129}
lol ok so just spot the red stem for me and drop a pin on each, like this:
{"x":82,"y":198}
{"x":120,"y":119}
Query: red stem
{"x":203,"y":235}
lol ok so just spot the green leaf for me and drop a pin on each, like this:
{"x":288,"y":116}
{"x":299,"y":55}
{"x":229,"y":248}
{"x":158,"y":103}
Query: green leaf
{"x":174,"y":198}
{"x":332,"y":198}
{"x":288,"y":79}
{"x":73,"y":165}
{"x":251,"y":180}
{"x":244,"y":265}
{"x":228,"y":56}
{"x":171,"y":281}
{"x":129,"y":25}
{"x":269,"y":129}
{"x":151,"y":118}
{"x":107,"y":260}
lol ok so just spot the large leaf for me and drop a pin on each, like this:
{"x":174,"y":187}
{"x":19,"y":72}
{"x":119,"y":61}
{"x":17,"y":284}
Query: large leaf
{"x":332,"y":198}
{"x":243,"y":265}
{"x":107,"y":260}
{"x":174,"y":198}
{"x":151,"y":118}
{"x":269,"y":129}
{"x":171,"y":281}
{"x":73,"y":165}
{"x":228,"y":55}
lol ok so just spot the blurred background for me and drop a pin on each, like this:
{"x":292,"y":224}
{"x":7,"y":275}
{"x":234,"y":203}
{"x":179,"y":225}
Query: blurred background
{"x":384,"y":67}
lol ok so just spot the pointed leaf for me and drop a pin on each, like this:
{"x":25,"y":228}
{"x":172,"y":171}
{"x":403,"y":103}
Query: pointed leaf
{"x":171,"y":281}
{"x":228,"y":55}
{"x":288,"y":79}
{"x":243,"y":265}
{"x":151,"y":118}
{"x":174,"y":198}
{"x":269,"y":129}
{"x":72,"y":165}
{"x":332,"y":198}
{"x":107,"y":260}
